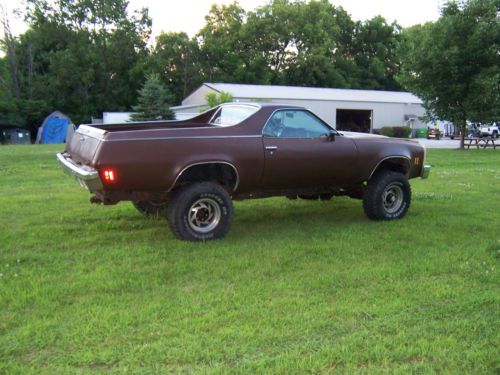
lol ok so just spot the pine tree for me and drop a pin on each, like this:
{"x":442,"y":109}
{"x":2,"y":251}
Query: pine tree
{"x":153,"y":101}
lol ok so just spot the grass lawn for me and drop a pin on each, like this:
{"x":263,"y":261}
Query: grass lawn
{"x":296,"y":286}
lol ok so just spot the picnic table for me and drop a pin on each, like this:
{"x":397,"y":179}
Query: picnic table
{"x":481,"y":142}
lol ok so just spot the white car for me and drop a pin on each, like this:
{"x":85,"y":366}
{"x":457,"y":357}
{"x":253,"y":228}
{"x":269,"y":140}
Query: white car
{"x":490,"y":130}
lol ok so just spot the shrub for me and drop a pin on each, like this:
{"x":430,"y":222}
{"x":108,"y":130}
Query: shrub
{"x":213,"y":99}
{"x":388,"y":131}
{"x":402,"y":131}
{"x":396,"y":131}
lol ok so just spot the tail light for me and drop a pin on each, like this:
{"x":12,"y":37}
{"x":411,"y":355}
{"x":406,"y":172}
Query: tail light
{"x":109,"y":175}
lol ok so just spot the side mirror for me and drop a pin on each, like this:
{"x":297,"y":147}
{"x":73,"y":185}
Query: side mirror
{"x":330,"y":136}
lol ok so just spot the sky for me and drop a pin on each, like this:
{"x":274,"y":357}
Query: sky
{"x":189,"y":15}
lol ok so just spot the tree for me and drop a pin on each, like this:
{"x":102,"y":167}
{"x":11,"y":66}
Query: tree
{"x":153,"y":101}
{"x":82,"y":57}
{"x":214,"y":99}
{"x":305,"y":43}
{"x":176,"y":59}
{"x":222,"y":44}
{"x":453,"y":64}
{"x":374,"y":52}
{"x":318,"y":36}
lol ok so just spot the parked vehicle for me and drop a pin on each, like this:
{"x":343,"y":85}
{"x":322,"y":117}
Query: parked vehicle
{"x":191,"y":170}
{"x":434,"y":133}
{"x":473,"y":130}
{"x":491,"y":130}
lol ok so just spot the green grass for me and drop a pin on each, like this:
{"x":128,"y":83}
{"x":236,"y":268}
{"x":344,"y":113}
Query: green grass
{"x":296,"y":286}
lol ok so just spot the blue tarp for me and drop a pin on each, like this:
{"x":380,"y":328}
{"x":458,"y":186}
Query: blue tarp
{"x":54,"y":130}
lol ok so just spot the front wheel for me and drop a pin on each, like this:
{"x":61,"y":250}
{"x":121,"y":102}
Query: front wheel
{"x":200,"y":212}
{"x":387,"y":196}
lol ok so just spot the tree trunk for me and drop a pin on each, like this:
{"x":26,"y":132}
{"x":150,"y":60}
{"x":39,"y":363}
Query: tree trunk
{"x":30,"y":69}
{"x":463,"y":130}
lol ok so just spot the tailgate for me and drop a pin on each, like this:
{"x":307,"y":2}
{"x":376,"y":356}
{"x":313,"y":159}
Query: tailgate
{"x":85,"y":143}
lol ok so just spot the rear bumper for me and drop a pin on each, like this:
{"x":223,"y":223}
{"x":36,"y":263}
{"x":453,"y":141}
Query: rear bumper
{"x":86,"y":176}
{"x":426,"y":170}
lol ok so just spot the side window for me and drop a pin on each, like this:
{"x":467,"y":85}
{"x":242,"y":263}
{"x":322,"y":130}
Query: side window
{"x":231,"y":115}
{"x":295,"y":124}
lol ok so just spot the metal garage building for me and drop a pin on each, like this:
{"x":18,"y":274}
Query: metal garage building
{"x":355,"y":110}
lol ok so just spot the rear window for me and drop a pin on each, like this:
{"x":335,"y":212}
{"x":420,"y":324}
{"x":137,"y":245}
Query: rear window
{"x":232,"y":115}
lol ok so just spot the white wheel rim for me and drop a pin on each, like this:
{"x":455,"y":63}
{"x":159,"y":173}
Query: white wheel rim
{"x":204,"y":215}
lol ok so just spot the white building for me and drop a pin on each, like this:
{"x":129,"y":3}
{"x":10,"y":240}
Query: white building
{"x":357,"y":110}
{"x":112,"y":118}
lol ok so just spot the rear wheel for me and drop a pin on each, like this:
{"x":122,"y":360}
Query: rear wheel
{"x":387,"y":196}
{"x":200,"y":212}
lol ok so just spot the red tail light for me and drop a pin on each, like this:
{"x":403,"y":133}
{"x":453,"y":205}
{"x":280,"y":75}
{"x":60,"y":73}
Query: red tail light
{"x":108,"y":175}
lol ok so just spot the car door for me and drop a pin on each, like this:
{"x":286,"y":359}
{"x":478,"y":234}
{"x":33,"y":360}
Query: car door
{"x":302,"y":151}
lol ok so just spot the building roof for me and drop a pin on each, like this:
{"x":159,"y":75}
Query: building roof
{"x":242,"y":91}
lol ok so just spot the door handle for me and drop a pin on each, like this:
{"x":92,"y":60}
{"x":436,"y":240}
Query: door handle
{"x":271,"y":148}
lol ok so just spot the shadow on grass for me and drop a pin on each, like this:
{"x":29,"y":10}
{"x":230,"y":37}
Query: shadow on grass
{"x":266,"y":220}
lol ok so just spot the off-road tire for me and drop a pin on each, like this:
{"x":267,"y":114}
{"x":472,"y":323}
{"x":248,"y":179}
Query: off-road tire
{"x":151,"y":209}
{"x":191,"y":208}
{"x":387,"y":196}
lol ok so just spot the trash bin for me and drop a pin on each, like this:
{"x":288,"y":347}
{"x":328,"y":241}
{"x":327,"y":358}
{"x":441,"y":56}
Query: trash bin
{"x":421,"y":133}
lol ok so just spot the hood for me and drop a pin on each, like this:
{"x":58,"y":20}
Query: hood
{"x":360,"y":135}
{"x":379,"y":138}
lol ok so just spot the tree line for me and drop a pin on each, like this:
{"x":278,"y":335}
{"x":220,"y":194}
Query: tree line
{"x":85,"y":57}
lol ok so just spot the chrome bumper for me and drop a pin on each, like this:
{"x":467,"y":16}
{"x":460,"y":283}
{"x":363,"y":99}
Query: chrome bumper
{"x":86,"y":176}
{"x":426,"y":170}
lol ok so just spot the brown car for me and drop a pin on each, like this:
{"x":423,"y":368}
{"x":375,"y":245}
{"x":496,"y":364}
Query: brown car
{"x":189,"y":171}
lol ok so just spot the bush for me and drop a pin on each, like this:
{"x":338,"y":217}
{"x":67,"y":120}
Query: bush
{"x":396,"y":131}
{"x":402,"y":131}
{"x":388,"y":131}
{"x":214,"y":99}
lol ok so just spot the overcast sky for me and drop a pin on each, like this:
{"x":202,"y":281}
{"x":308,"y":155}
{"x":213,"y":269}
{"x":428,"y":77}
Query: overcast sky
{"x":188,"y":15}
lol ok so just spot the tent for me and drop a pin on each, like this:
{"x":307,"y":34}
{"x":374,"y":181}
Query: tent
{"x":56,"y":128}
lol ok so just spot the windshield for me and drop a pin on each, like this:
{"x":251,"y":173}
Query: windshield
{"x":232,"y":115}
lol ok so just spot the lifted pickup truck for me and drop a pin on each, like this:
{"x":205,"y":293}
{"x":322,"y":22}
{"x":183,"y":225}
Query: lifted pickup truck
{"x":189,"y":171}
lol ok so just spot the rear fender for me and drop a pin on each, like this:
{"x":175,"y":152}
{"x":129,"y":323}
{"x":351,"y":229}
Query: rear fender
{"x":221,"y":171}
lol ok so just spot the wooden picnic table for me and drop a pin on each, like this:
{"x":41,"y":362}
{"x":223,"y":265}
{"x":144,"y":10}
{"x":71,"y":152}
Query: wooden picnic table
{"x":481,"y":142}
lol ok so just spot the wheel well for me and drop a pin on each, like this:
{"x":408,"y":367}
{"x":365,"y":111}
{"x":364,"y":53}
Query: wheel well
{"x":223,"y":173}
{"x":395,"y":164}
